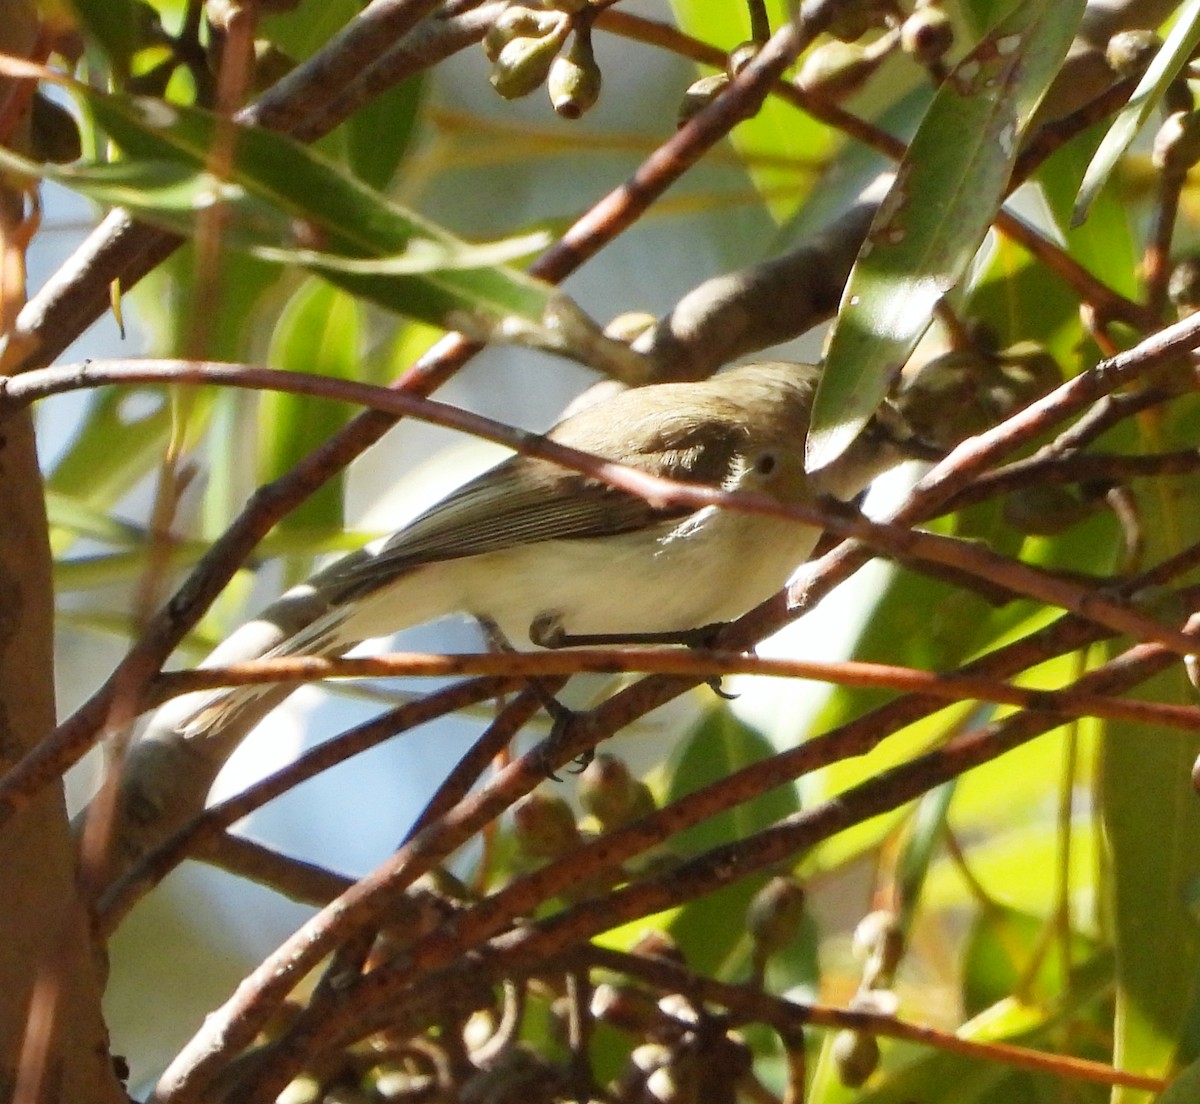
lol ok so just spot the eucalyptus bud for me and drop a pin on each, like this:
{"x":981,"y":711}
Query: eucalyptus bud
{"x":856,"y":1057}
{"x":774,"y":915}
{"x":853,"y":18}
{"x":1177,"y":143}
{"x":545,"y":826}
{"x":741,"y":56}
{"x":926,"y":35}
{"x":518,"y":21}
{"x":699,"y":95}
{"x":836,"y":69}
{"x":524,"y":62}
{"x":611,"y":794}
{"x":574,"y":80}
{"x":1129,"y":53}
{"x":1183,"y":287}
{"x":880,"y":941}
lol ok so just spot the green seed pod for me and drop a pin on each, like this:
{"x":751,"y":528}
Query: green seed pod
{"x":545,"y":826}
{"x":927,"y":35}
{"x":774,"y":914}
{"x":1129,"y":53}
{"x":574,"y":80}
{"x":836,"y":69}
{"x":524,"y":62}
{"x":699,"y":95}
{"x":856,"y":1057}
{"x":1177,"y":143}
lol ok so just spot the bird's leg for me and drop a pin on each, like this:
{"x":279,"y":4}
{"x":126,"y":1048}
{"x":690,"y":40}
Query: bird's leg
{"x":559,"y":714}
{"x":546,"y":631}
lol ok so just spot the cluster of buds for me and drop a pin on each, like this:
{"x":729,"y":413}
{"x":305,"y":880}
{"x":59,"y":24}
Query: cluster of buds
{"x":525,"y":47}
{"x":879,"y":943}
{"x":840,"y":67}
{"x":966,"y":391}
{"x":546,"y":827}
{"x":684,"y":1056}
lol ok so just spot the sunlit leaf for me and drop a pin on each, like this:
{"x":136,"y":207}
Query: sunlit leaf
{"x":1178,"y":47}
{"x":280,"y":194}
{"x":928,"y":228}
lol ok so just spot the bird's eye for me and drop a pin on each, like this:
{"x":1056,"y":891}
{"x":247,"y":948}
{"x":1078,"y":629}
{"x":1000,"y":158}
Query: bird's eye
{"x":765,"y":463}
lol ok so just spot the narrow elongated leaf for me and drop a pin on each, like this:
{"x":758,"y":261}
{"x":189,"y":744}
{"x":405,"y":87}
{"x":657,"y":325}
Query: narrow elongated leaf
{"x":1183,"y":39}
{"x":319,"y":331}
{"x":946,"y":193}
{"x":280,"y":195}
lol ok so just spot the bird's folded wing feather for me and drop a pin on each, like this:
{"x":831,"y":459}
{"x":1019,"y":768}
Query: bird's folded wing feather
{"x":525,"y":499}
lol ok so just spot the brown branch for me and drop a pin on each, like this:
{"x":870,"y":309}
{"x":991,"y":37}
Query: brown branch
{"x":604,"y":221}
{"x":294,"y":878}
{"x":297,"y":670}
{"x":236,"y":1023}
{"x":390,"y":995}
{"x":197,"y":833}
{"x":755,"y":1006}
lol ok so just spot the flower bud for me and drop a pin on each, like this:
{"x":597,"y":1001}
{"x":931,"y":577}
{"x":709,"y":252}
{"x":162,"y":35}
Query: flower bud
{"x":774,"y":914}
{"x":524,"y":62}
{"x":836,"y":69}
{"x":574,"y":80}
{"x":1177,"y":143}
{"x":926,"y":35}
{"x":741,"y":56}
{"x":856,"y":1057}
{"x":611,"y":794}
{"x":545,"y":826}
{"x":517,"y":21}
{"x":699,"y":95}
{"x":1129,"y":53}
{"x":879,"y":940}
{"x":853,"y":18}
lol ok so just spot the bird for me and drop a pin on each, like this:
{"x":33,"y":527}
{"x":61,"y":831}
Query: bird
{"x":555,"y":556}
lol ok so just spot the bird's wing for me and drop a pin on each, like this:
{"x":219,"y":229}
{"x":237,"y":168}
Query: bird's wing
{"x":525,"y":499}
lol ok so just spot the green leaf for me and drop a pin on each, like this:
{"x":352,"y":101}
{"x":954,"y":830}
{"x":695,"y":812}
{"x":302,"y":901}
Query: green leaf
{"x":946,"y":193}
{"x":111,"y":23}
{"x":320,"y":331}
{"x":278,"y":194}
{"x":94,"y":468}
{"x":778,"y":133}
{"x":713,"y":928}
{"x":1152,"y":817}
{"x":1185,"y":1089}
{"x":392,"y":116}
{"x":1175,"y":52}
